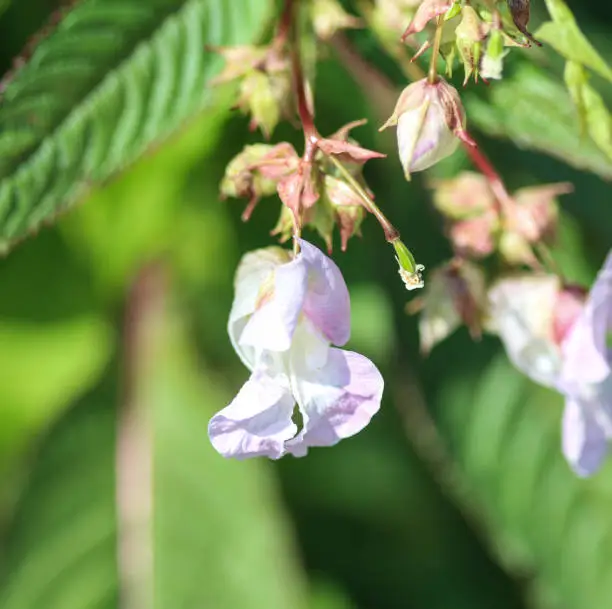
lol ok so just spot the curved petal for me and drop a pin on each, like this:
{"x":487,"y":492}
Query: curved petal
{"x":584,"y":440}
{"x":521,"y":313}
{"x":336,"y":401}
{"x":586,"y":353}
{"x":327,"y":302}
{"x":257,"y":423}
{"x":252,"y":272}
{"x":272,"y":325}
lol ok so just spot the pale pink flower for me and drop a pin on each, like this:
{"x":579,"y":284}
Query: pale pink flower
{"x":563,"y":342}
{"x":287,"y":312}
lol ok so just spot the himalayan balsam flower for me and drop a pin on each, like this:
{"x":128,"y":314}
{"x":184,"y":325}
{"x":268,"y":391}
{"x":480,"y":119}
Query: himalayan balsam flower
{"x":560,"y":341}
{"x":586,"y":379}
{"x":286,"y":314}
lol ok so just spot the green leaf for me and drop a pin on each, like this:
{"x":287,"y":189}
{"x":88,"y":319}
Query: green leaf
{"x":65,"y":358}
{"x":593,"y":114}
{"x":564,"y":35}
{"x":61,"y":553}
{"x":113,"y":78}
{"x":542,"y":519}
{"x":216,"y":535}
{"x":536,"y":112}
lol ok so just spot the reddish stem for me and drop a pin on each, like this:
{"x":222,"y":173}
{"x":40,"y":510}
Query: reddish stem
{"x":495,"y":181}
{"x":284,"y":25}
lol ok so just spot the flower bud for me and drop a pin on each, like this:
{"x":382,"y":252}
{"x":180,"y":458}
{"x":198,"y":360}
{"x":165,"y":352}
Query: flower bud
{"x":475,"y":237}
{"x":256,"y":171}
{"x":531,"y":219}
{"x":430,"y":121}
{"x":470,"y":34}
{"x":455,"y":294}
{"x":347,"y":207}
{"x":520,"y":11}
{"x":465,"y":196}
{"x":428,"y":10}
{"x":265,"y":87}
{"x":328,"y":17}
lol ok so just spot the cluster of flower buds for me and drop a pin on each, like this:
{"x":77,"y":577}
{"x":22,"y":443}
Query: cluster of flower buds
{"x":478,"y":223}
{"x":476,"y":32}
{"x":264,"y":75}
{"x":314,"y":193}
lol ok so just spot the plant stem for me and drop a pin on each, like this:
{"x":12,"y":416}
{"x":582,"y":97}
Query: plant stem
{"x":391,"y":233}
{"x":284,"y":25}
{"x":432,"y":75}
{"x":496,"y":183}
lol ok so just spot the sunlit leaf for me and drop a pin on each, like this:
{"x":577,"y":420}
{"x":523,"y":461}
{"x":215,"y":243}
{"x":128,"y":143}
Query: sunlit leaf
{"x":564,"y":35}
{"x":591,"y":109}
{"x":536,"y":112}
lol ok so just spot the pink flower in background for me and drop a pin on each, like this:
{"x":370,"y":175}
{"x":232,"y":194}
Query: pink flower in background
{"x":287,"y":312}
{"x":586,"y":379}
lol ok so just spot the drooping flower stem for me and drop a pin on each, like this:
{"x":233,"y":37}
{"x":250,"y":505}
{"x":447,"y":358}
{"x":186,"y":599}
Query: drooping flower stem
{"x":496,"y":184}
{"x":391,"y":233}
{"x":504,"y":201}
{"x":432,"y":76}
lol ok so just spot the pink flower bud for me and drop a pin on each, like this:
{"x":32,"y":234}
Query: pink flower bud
{"x":328,"y":17}
{"x":428,"y":10}
{"x":430,"y":121}
{"x":474,"y":237}
{"x":465,"y":196}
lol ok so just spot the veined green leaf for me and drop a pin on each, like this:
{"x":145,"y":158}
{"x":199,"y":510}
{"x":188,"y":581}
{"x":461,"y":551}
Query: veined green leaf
{"x":592,"y":112}
{"x":536,"y":112}
{"x":505,"y":433}
{"x":113,"y":78}
{"x":564,"y":35}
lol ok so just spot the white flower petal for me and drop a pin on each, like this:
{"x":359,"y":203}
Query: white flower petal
{"x":336,"y":400}
{"x":253,"y":270}
{"x":521,"y":310}
{"x":327,"y":302}
{"x":271,"y":327}
{"x":257,"y":423}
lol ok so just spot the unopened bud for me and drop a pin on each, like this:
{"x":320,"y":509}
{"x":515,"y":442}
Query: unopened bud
{"x":430,"y":121}
{"x":428,"y":10}
{"x":475,"y":237}
{"x":465,"y":196}
{"x":470,"y":34}
{"x":409,"y":270}
{"x":520,"y":11}
{"x":328,"y":17}
{"x":256,"y":171}
{"x":347,"y":207}
{"x":265,"y":88}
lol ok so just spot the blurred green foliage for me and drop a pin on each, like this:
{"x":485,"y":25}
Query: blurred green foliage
{"x":455,"y":496}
